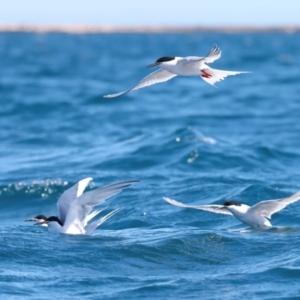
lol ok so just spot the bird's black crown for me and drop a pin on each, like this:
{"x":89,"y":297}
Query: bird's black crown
{"x":40,"y":217}
{"x":165,"y":58}
{"x":231,"y":202}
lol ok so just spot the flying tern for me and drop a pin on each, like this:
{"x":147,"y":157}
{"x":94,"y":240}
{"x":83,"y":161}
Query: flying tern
{"x":183,"y":66}
{"x":75,"y":208}
{"x":256,"y":216}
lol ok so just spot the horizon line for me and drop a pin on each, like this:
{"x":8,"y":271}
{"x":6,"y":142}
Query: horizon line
{"x":106,"y":28}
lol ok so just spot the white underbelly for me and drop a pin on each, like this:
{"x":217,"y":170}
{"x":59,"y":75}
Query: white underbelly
{"x":255,"y":221}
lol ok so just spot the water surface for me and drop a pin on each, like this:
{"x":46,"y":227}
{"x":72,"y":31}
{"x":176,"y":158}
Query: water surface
{"x":184,"y":139}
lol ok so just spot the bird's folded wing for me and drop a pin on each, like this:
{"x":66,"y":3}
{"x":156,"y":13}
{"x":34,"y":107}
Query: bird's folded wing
{"x":268,"y":207}
{"x":214,"y":54}
{"x":64,"y":201}
{"x":219,"y":209}
{"x":160,"y":75}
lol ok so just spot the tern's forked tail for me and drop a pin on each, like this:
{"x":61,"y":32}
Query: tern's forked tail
{"x":213,"y":75}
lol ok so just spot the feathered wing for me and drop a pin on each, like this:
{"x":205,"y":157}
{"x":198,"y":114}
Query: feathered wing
{"x":268,"y":207}
{"x":219,"y":209}
{"x":160,"y":75}
{"x":92,"y":226}
{"x":83,"y":205}
{"x":214,"y":54}
{"x":212,"y":76}
{"x":92,"y":215}
{"x":68,"y":196}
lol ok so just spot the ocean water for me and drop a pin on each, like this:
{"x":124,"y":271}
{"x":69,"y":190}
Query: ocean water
{"x":184,"y":139}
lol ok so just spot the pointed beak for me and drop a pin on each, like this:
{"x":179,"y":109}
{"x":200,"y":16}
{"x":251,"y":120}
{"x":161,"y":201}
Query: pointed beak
{"x":31,"y":219}
{"x":153,"y":65}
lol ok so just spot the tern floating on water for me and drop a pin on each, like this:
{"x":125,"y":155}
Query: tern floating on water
{"x":75,"y":208}
{"x":184,"y":66}
{"x":256,"y":216}
{"x":64,"y":202}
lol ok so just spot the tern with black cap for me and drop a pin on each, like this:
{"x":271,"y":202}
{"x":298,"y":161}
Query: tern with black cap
{"x":256,"y":216}
{"x":64,"y":202}
{"x":171,"y":66}
{"x":76,"y":208}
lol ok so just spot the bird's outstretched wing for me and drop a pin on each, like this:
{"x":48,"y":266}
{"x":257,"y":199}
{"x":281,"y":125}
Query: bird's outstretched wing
{"x":83,"y":205}
{"x":68,"y":196}
{"x":218,"y":209}
{"x":160,"y":75}
{"x":214,"y":54}
{"x":268,"y":207}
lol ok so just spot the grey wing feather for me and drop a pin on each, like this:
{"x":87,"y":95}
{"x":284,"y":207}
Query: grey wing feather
{"x":160,"y":75}
{"x":68,"y":196}
{"x":268,"y":207}
{"x":215,"y":53}
{"x":219,"y":209}
{"x":92,"y":215}
{"x":98,"y":196}
{"x":83,"y":205}
{"x":194,"y":58}
{"x":92,"y":226}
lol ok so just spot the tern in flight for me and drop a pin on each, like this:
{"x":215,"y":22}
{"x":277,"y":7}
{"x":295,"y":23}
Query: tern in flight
{"x":256,"y":216}
{"x":76,"y":209}
{"x":183,"y":66}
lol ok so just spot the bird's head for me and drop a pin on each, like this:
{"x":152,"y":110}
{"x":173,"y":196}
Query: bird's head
{"x":162,"y":60}
{"x":234,"y":206}
{"x":38,"y":219}
{"x":231,"y":203}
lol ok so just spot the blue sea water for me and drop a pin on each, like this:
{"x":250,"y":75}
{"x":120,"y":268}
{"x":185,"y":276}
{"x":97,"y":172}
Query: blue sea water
{"x":184,"y":139}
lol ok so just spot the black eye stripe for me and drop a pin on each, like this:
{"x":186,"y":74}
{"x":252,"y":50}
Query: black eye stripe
{"x":165,"y":58}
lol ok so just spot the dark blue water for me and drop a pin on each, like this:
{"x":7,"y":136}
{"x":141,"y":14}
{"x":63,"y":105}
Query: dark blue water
{"x":184,"y":138}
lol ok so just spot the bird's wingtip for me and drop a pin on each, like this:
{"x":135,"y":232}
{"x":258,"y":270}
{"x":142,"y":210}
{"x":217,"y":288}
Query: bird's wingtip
{"x":135,"y":180}
{"x":111,"y":96}
{"x":167,"y":199}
